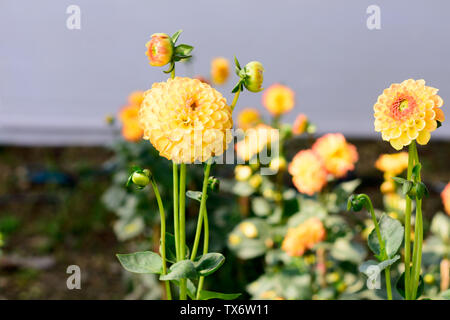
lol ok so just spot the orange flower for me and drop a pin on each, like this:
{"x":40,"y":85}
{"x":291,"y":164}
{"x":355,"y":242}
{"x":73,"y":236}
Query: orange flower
{"x":303,"y":237}
{"x":255,"y":140}
{"x":131,"y":130}
{"x":159,"y":49}
{"x":337,"y":154}
{"x":445,"y":195}
{"x":300,"y":124}
{"x":308,"y":173}
{"x":248,"y":118}
{"x":136,"y":98}
{"x":220,"y":70}
{"x":392,"y":163}
{"x":278,"y":99}
{"x":408,"y":111}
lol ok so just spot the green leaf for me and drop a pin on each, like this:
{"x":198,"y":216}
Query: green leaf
{"x":175,"y":36}
{"x":406,"y":187}
{"x":183,"y":50}
{"x":242,"y":189}
{"x":236,"y":62}
{"x":141,"y":262}
{"x":439,"y":124}
{"x":345,"y":250}
{"x":364,"y":267}
{"x":209,"y":263}
{"x":391,"y":233}
{"x":194,"y":195}
{"x":237,"y":87}
{"x":400,"y":286}
{"x":184,"y":269}
{"x":399,"y":180}
{"x":207,"y":295}
{"x":171,"y":254}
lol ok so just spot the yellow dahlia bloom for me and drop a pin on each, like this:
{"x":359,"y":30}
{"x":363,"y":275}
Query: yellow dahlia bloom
{"x":392,"y":163}
{"x":445,"y":195}
{"x":131,"y":129}
{"x":220,"y":70}
{"x":308,"y":173}
{"x":300,"y":124}
{"x":135,"y":98}
{"x":278,"y":99}
{"x":337,"y":154}
{"x":408,"y":111}
{"x":186,"y":120}
{"x":248,"y":118}
{"x":303,"y":237}
{"x":255,"y":140}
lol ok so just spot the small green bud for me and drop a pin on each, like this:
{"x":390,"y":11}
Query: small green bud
{"x":140,"y":179}
{"x":354,"y":203}
{"x":213,"y":184}
{"x":253,"y":78}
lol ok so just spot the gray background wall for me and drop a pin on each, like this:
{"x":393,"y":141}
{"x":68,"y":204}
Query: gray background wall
{"x":56,"y":85}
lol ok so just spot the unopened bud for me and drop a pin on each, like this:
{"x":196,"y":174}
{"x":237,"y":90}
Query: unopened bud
{"x":253,"y":76}
{"x":159,"y":50}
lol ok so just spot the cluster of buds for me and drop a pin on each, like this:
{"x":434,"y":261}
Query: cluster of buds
{"x":250,"y":77}
{"x":139,"y":177}
{"x":161,"y":50}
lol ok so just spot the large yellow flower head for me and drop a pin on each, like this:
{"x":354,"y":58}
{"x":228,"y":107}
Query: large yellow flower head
{"x":248,"y":118}
{"x":278,"y":99}
{"x":220,"y":70}
{"x":186,"y":120}
{"x":303,"y":237}
{"x":308,"y":173}
{"x":131,"y":129}
{"x":445,"y":195}
{"x":255,"y":140}
{"x":408,"y":111}
{"x":337,"y":154}
{"x":392,"y":163}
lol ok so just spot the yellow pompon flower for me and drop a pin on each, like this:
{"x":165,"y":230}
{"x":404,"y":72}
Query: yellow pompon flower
{"x":408,"y":111}
{"x":131,"y":129}
{"x":337,"y":154}
{"x":303,"y":237}
{"x":135,"y":98}
{"x":300,"y":124}
{"x":392,"y":163}
{"x":445,"y":195}
{"x":186,"y":120}
{"x":278,"y":99}
{"x":220,"y":70}
{"x":308,"y":173}
{"x":255,"y":140}
{"x":248,"y":118}
{"x":242,"y":172}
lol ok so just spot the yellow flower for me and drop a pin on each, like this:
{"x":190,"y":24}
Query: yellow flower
{"x":186,"y":120}
{"x":220,"y":70}
{"x":255,"y":141}
{"x":131,"y":129}
{"x":248,"y":118}
{"x":408,"y":111}
{"x":248,"y":229}
{"x":278,"y":99}
{"x":337,"y":154}
{"x":135,"y":98}
{"x":445,"y":195}
{"x":308,"y":173}
{"x":234,"y":239}
{"x":388,"y":186}
{"x":303,"y":237}
{"x":242,"y":172}
{"x":395,"y":202}
{"x":300,"y":124}
{"x":392,"y":163}
{"x":278,"y":164}
{"x":159,"y":49}
{"x":255,"y":181}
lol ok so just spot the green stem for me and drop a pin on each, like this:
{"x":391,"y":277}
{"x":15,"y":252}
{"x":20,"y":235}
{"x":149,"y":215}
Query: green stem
{"x":375,"y":222}
{"x":175,"y":211}
{"x":411,"y":149}
{"x":205,"y":251}
{"x":163,"y":235}
{"x":235,"y":99}
{"x":202,"y":209}
{"x":388,"y":282}
{"x":182,"y":215}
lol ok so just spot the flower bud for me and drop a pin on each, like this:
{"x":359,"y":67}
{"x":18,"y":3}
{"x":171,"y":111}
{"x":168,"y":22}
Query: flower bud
{"x":140,"y":179}
{"x":213,"y":184}
{"x":159,"y":50}
{"x":253,"y":76}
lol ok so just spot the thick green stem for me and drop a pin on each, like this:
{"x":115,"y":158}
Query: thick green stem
{"x":235,"y":99}
{"x":202,"y":208}
{"x":387,"y":273}
{"x":375,"y":222}
{"x":175,"y":211}
{"x":411,"y":157}
{"x":182,"y":216}
{"x":163,"y":235}
{"x":205,"y":251}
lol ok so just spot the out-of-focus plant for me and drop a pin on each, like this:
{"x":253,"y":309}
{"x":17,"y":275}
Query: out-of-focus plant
{"x":306,"y":246}
{"x":404,"y":113}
